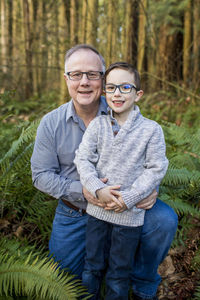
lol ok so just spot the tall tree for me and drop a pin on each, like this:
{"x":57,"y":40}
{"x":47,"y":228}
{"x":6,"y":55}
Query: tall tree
{"x":141,"y":34}
{"x":27,"y":11}
{"x":92,"y":22}
{"x":196,"y":44}
{"x":83,"y":22}
{"x":73,"y":22}
{"x":63,"y":44}
{"x":128,"y":31}
{"x":187,"y":42}
{"x":4,"y":35}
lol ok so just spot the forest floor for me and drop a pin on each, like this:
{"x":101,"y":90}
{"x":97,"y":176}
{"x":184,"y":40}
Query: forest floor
{"x":179,"y":277}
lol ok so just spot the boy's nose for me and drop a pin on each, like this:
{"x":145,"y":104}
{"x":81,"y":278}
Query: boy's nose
{"x":117,"y":91}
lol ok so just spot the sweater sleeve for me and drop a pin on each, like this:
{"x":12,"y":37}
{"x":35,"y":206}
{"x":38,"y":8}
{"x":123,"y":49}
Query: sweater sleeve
{"x":156,"y":164}
{"x":86,"y":158}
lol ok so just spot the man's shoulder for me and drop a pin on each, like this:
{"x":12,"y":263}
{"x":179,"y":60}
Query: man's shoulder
{"x":58,"y":113}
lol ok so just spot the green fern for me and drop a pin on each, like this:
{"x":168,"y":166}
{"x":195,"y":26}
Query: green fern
{"x":26,"y":273}
{"x":197,"y":293}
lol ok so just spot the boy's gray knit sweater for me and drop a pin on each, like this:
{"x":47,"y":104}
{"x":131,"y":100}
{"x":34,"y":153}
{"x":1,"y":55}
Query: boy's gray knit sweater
{"x":134,"y":158}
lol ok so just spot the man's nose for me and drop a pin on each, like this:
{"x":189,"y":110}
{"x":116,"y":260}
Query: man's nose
{"x":84,"y":79}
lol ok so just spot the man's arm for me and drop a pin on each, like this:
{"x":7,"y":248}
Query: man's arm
{"x":149,"y":201}
{"x":46,"y":167}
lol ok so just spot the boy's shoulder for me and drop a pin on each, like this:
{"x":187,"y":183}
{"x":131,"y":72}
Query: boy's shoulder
{"x":150,"y":122}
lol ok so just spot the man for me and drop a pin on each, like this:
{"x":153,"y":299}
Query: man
{"x":59,"y":135}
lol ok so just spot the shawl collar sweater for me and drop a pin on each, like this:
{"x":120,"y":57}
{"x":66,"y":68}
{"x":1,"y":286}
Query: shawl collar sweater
{"x":134,"y":158}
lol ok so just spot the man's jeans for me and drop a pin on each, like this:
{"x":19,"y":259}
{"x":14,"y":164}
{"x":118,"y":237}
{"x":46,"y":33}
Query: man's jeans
{"x":115,"y":245}
{"x":67,"y":244}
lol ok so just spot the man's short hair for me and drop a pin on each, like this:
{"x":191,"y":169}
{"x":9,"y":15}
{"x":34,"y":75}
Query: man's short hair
{"x":87,"y":47}
{"x":125,"y":66}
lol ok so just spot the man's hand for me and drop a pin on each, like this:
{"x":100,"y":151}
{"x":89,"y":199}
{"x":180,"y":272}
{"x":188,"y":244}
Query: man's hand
{"x":90,"y":198}
{"x":149,"y":201}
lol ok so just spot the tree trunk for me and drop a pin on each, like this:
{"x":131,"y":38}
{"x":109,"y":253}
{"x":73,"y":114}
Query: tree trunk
{"x":128,"y":31}
{"x":83,"y":22}
{"x":73,"y":23}
{"x":92,"y":22}
{"x":3,"y":37}
{"x":28,"y":47}
{"x":63,"y":44}
{"x":141,"y":35}
{"x":196,"y":44}
{"x":187,"y":43}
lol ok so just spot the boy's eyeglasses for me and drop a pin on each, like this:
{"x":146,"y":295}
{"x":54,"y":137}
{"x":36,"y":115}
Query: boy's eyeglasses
{"x":123,"y":88}
{"x":92,"y":75}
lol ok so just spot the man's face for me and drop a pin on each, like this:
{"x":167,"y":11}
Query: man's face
{"x":84,"y":92}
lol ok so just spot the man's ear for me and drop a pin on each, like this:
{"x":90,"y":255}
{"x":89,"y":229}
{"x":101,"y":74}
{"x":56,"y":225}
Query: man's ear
{"x":139,"y":94}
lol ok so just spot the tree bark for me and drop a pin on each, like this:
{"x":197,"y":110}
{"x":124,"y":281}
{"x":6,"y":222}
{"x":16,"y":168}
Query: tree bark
{"x":187,"y":43}
{"x":141,"y":35}
{"x":3,"y":37}
{"x":196,"y":44}
{"x":92,"y":22}
{"x":28,"y":47}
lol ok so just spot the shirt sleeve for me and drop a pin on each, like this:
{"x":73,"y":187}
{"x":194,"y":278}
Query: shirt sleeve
{"x":156,"y":165}
{"x":86,"y":158}
{"x":46,"y":168}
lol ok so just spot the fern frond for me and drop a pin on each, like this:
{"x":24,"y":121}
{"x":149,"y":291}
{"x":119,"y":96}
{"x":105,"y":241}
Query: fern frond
{"x":177,"y":177}
{"x":180,"y":206}
{"x":197,"y":292}
{"x":26,"y":136}
{"x":41,"y":277}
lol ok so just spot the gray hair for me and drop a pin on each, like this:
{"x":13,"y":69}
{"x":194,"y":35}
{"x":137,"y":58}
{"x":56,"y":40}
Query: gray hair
{"x":87,"y":47}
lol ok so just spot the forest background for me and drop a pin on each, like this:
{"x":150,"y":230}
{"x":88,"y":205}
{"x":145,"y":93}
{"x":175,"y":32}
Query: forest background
{"x":162,"y":39}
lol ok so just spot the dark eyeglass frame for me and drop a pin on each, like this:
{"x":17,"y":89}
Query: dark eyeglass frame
{"x":99,"y":73}
{"x":119,"y":87}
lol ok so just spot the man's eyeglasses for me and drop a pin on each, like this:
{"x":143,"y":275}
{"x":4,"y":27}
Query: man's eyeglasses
{"x":124,"y":88}
{"x":92,"y":75}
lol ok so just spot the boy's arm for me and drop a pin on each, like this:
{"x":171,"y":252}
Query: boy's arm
{"x":156,"y":165}
{"x":86,"y":158}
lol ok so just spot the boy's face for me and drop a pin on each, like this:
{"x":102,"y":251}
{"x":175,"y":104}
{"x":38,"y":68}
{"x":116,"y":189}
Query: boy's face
{"x":122,"y":103}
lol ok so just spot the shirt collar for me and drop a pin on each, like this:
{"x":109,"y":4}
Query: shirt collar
{"x":131,"y":118}
{"x":71,"y":113}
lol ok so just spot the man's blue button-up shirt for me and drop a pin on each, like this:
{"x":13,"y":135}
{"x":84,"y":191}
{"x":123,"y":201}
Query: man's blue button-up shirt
{"x":58,"y":136}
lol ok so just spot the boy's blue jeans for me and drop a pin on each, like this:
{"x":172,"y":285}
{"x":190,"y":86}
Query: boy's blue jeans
{"x":112,"y":245}
{"x":67,"y":244}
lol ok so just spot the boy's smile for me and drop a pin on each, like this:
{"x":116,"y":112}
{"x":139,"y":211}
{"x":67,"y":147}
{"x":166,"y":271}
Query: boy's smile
{"x":121,"y":103}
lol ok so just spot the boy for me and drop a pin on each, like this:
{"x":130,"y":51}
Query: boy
{"x":128,"y":150}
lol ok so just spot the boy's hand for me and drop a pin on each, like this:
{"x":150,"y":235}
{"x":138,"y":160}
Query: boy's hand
{"x":106,"y":195}
{"x":114,"y":206}
{"x":90,"y":198}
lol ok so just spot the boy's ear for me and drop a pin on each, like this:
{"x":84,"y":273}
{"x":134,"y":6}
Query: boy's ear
{"x":139,"y":94}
